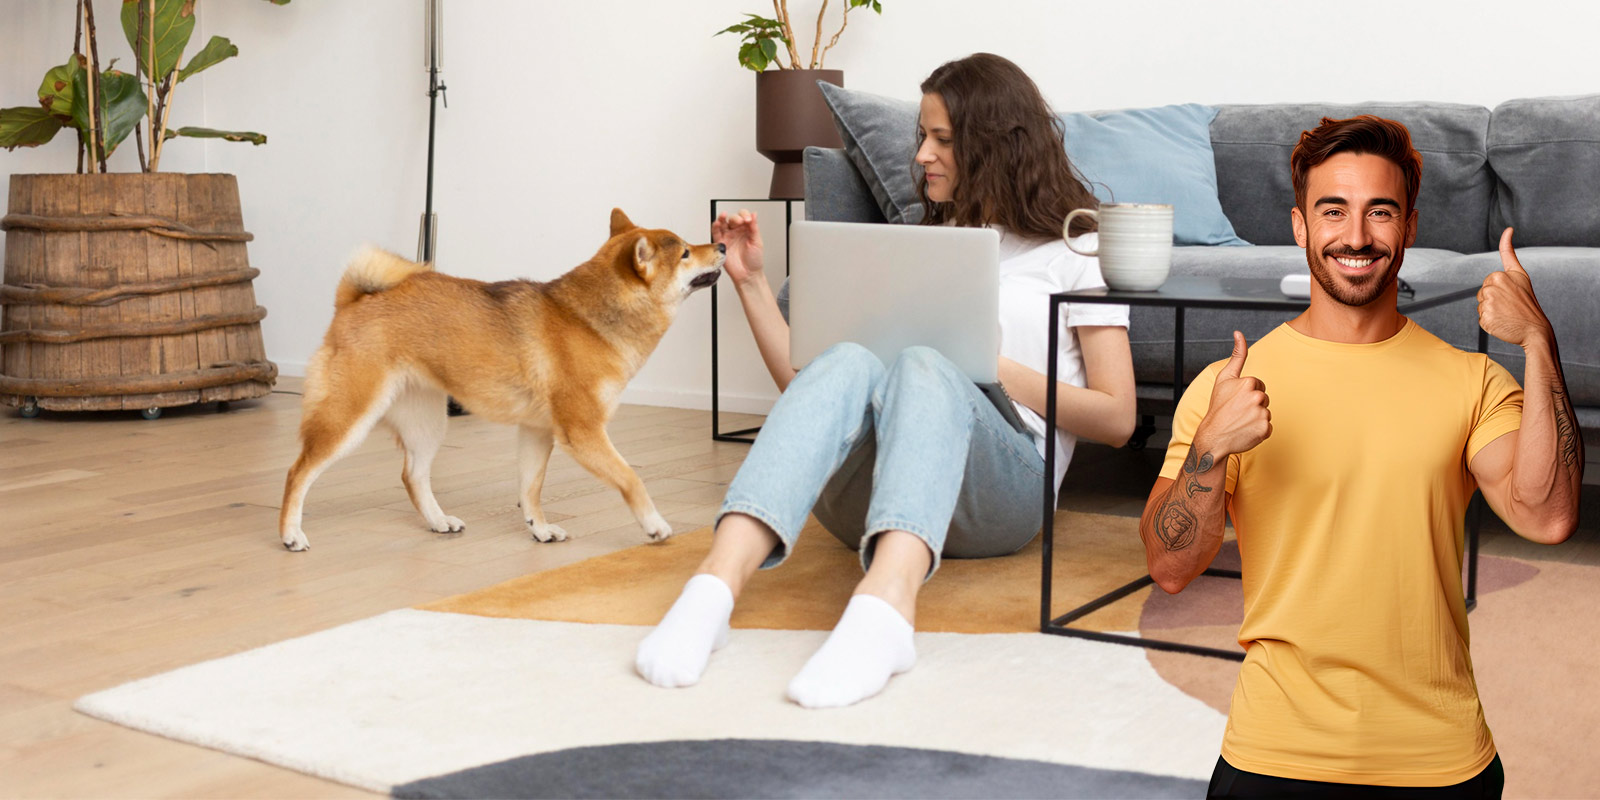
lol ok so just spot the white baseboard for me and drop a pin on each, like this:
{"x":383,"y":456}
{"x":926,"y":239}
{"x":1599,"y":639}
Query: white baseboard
{"x":698,"y":400}
{"x":669,"y":398}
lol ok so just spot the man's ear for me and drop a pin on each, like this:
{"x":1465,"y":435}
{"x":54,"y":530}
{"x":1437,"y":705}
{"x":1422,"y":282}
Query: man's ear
{"x":1411,"y":227}
{"x":643,"y":254}
{"x":1299,"y":221}
{"x":620,"y":222}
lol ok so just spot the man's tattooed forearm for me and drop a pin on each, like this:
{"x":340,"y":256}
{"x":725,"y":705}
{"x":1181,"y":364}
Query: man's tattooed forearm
{"x":1192,"y":468}
{"x":1566,"y":433}
{"x":1174,"y":522}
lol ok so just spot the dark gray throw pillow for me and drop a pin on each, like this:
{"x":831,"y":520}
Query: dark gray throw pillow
{"x":880,"y":138}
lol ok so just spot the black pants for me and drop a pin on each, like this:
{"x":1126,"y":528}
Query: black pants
{"x":1228,"y":782}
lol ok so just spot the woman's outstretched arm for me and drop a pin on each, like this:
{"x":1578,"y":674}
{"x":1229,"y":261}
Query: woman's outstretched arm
{"x":742,"y":235}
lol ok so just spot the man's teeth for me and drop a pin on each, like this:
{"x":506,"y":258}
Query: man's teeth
{"x":1354,"y":263}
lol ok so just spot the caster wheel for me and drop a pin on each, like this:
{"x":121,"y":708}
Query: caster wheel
{"x":151,"y":413}
{"x":1142,"y":433}
{"x":30,"y":409}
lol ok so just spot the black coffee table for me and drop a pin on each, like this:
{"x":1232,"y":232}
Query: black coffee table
{"x":1180,"y":294}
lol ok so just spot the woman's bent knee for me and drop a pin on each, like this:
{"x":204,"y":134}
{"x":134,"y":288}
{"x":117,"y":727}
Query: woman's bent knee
{"x":847,"y":358}
{"x":928,"y":369}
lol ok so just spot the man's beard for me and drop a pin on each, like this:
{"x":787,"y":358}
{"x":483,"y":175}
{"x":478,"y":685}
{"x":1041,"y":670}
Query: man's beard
{"x":1358,"y":290}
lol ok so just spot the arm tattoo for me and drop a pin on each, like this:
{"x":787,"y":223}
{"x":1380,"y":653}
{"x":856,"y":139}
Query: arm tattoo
{"x":1175,"y":522}
{"x":1192,"y":469}
{"x":1175,"y":525}
{"x":1566,"y":433}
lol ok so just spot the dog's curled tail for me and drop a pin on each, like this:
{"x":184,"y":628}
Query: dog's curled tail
{"x":373,"y":270}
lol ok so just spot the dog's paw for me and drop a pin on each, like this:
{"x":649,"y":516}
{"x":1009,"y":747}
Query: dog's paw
{"x":656,"y":527}
{"x":295,"y":540}
{"x":447,"y":525}
{"x":546,"y":532}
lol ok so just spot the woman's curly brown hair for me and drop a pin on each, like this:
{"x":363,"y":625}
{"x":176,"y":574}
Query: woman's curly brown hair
{"x":1011,"y":160}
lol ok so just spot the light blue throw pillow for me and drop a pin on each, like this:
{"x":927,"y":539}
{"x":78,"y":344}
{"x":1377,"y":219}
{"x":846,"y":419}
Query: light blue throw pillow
{"x":1154,"y":155}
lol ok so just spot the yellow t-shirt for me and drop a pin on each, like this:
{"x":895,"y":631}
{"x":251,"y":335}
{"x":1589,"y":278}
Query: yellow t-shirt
{"x":1350,"y":520}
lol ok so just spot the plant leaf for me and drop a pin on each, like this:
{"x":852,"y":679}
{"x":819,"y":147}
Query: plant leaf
{"x":26,"y":126}
{"x":212,"y":133}
{"x":216,"y":51}
{"x":769,"y":49}
{"x":122,"y":101}
{"x":751,"y":57}
{"x":174,"y":24}
{"x":55,"y":91}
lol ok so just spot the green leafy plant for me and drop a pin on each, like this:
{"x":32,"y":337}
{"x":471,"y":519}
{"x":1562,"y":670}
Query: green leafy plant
{"x":104,"y":107}
{"x":759,"y":36}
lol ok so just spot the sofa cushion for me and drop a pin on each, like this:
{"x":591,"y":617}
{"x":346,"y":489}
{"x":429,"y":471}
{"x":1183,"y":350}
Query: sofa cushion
{"x":1253,"y":143}
{"x":880,"y":137}
{"x":1208,"y":334}
{"x":1154,"y":155}
{"x":1567,"y":283}
{"x":1546,"y":153}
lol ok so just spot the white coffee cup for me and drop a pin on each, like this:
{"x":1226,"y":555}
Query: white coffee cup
{"x":1135,"y":248}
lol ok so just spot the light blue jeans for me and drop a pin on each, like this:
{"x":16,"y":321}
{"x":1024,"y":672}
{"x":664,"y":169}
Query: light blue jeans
{"x":914,"y":446}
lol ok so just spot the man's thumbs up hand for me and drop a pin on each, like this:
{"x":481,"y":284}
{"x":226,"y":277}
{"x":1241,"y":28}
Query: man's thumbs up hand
{"x":1507,"y":308}
{"x":1238,"y":419}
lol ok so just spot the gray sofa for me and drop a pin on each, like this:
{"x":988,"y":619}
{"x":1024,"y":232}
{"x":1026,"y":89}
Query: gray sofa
{"x":1530,"y":164}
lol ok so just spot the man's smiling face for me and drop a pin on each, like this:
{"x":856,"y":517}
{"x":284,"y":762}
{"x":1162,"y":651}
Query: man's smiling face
{"x":1355,"y":227}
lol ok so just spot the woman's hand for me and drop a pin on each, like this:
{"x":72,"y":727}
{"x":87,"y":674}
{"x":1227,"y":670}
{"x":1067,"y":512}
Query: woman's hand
{"x":743,"y":237}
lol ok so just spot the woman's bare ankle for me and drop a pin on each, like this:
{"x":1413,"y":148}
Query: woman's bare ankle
{"x":738,"y":547}
{"x":900,"y":564}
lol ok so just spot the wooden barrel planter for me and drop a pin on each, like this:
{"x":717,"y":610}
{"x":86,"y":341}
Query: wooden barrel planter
{"x":128,"y":291}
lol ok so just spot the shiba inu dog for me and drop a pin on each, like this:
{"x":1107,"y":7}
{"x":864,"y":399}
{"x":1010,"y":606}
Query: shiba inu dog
{"x":549,"y":358}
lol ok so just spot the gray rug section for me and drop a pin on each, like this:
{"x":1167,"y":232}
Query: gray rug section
{"x":743,"y":768}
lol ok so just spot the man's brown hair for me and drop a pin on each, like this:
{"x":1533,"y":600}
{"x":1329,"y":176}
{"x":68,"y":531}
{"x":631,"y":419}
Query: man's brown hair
{"x":1362,"y":134}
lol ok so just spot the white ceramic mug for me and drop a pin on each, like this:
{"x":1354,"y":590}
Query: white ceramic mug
{"x":1135,"y":249}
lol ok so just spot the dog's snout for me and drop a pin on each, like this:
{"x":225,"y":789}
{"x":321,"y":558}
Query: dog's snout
{"x":722,"y":248}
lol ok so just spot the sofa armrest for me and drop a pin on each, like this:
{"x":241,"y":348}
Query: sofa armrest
{"x":835,"y":191}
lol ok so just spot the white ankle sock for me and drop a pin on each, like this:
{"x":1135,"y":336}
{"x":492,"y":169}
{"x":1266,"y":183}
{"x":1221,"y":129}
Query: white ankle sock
{"x":871,"y":644}
{"x":675,"y":653}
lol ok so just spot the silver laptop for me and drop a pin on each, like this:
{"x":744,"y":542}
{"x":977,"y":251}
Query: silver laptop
{"x":888,"y":287}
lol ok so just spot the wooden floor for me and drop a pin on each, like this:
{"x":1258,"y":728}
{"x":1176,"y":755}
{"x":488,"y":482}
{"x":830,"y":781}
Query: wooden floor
{"x":129,"y":548}
{"x":132,"y":547}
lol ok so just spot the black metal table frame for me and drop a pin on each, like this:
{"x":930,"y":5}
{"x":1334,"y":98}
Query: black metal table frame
{"x":1061,"y":625}
{"x":717,"y":433}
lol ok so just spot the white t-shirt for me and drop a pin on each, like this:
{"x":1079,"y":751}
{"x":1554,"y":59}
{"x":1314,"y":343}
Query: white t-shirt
{"x":1030,"y":271}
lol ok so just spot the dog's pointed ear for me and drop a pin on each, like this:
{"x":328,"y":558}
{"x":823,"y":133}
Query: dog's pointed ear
{"x":620,"y":222}
{"x":643,"y":254}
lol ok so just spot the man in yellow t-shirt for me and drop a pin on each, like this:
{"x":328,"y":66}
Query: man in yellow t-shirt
{"x":1348,"y":494}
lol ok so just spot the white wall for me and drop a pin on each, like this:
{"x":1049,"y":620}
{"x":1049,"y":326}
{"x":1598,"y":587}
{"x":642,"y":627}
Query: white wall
{"x":560,"y":111}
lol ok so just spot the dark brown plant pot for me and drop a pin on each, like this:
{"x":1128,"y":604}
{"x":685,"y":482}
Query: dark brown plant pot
{"x":791,"y":116}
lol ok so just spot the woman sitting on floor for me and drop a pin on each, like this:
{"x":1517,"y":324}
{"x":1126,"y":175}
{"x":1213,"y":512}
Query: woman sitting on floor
{"x":909,"y":461}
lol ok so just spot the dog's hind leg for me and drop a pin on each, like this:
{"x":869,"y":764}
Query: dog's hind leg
{"x":533,"y":458}
{"x":593,"y":449}
{"x":418,"y":417}
{"x":341,"y":406}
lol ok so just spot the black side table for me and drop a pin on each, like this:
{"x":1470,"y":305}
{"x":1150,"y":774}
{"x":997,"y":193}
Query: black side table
{"x":1180,"y":293}
{"x":745,"y":435}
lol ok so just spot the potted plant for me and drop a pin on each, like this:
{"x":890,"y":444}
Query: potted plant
{"x":790,"y":112}
{"x":126,"y":291}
